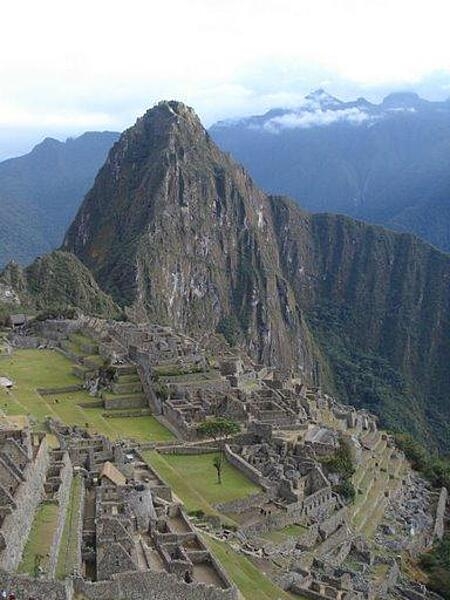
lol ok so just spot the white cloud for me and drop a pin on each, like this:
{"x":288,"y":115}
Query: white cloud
{"x":110,"y":60}
{"x":317,"y":118}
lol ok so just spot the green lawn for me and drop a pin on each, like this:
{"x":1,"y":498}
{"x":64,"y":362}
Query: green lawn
{"x":194,"y":480}
{"x":283,"y":534}
{"x":33,"y":369}
{"x":69,"y":540}
{"x":247,"y":577}
{"x":40,"y":539}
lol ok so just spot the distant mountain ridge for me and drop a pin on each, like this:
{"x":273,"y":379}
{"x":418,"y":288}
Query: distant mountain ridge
{"x":41,"y":191}
{"x":386,"y":163}
{"x":178,"y":232}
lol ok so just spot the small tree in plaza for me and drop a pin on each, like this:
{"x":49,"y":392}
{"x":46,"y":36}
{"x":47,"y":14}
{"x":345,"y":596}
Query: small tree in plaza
{"x":218,"y":429}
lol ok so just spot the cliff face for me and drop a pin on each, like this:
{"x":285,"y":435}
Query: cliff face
{"x":176,"y":229}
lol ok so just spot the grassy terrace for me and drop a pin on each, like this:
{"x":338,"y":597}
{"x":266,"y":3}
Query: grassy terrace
{"x":252,"y":583}
{"x":282,"y":535}
{"x":68,"y":546}
{"x":40,"y":539}
{"x":194,"y":480}
{"x":376,"y":474}
{"x":35,"y":369}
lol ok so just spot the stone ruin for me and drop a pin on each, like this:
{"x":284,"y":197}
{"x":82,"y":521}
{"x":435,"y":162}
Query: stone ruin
{"x":133,"y":525}
{"x":130,"y":529}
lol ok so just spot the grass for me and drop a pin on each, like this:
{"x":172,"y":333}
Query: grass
{"x":69,"y":539}
{"x":193,"y":479}
{"x":33,"y":369}
{"x":283,"y":534}
{"x":248,"y":578}
{"x":40,"y":539}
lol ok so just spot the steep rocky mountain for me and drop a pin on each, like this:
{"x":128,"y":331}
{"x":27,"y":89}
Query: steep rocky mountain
{"x":386,"y":163}
{"x":178,"y":231}
{"x":57,"y":280}
{"x":41,"y":192}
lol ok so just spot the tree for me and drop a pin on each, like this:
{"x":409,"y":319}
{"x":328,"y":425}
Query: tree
{"x":218,"y":429}
{"x":218,"y":464}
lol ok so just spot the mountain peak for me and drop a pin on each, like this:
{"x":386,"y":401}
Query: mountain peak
{"x":323,"y":98}
{"x":402,"y":100}
{"x":171,"y":110}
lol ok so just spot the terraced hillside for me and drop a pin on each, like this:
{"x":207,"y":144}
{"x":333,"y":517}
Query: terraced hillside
{"x":47,"y":383}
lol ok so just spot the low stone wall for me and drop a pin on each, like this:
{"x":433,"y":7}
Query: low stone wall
{"x":192,"y":450}
{"x":149,"y":584}
{"x":61,"y":390}
{"x":281,"y":548}
{"x":440,"y":514}
{"x":177,"y":421}
{"x":80,"y":512}
{"x":249,"y":471}
{"x":24,"y":341}
{"x":338,"y":537}
{"x":124,"y":402}
{"x":132,"y":412}
{"x":63,"y":496}
{"x":29,"y":587}
{"x":243,"y":504}
{"x":330,"y":524}
{"x":16,"y":526}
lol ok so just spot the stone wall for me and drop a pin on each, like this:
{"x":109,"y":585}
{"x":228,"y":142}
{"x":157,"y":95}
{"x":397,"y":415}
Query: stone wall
{"x":16,"y":526}
{"x":24,"y":341}
{"x":243,"y":504}
{"x":331,"y":523}
{"x":193,"y":450}
{"x":440,"y":514}
{"x":149,"y":584}
{"x":26,"y":587}
{"x":124,"y":402}
{"x":144,"y":370}
{"x":248,"y":470}
{"x":62,"y":496}
{"x":78,"y":559}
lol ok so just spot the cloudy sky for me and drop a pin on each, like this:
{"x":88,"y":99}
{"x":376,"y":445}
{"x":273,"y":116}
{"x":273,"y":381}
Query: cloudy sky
{"x":71,"y":66}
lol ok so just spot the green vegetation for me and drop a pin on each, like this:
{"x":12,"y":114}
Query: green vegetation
{"x":218,"y":428}
{"x":341,"y":462}
{"x":248,"y":578}
{"x":229,"y":327}
{"x":435,"y":468}
{"x":69,"y":539}
{"x":39,"y":543}
{"x":364,"y":378}
{"x":192,"y":479}
{"x":57,"y":284}
{"x":215,"y":429}
{"x":39,"y":369}
{"x":282,"y":535}
{"x":436,"y":563}
{"x":41,"y":191}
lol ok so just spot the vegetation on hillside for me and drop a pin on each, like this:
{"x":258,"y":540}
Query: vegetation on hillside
{"x":341,"y":462}
{"x":41,"y":191}
{"x":56,"y":285}
{"x":436,"y":563}
{"x":366,"y":379}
